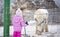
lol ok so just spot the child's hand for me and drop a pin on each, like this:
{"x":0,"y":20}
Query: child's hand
{"x":26,"y":23}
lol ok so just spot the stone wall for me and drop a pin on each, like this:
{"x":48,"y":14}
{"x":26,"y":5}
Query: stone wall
{"x":36,"y":4}
{"x":33,"y":5}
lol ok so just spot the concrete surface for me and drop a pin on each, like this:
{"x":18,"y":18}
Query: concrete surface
{"x":30,"y":30}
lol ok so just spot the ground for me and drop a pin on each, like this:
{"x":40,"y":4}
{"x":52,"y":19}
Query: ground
{"x":54,"y":31}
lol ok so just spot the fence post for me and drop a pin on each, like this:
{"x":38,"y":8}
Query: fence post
{"x":6,"y":17}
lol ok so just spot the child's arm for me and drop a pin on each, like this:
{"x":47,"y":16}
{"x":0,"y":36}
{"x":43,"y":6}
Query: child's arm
{"x":22,"y":22}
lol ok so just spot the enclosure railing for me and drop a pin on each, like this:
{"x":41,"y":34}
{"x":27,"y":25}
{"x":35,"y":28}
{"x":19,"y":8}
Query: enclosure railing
{"x":6,"y":17}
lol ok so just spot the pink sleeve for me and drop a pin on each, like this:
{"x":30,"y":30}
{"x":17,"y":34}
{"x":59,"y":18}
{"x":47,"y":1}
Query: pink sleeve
{"x":15,"y":19}
{"x":22,"y":22}
{"x":18,"y":19}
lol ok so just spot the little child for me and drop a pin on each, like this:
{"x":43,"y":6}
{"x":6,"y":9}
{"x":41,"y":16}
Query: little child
{"x":18,"y":23}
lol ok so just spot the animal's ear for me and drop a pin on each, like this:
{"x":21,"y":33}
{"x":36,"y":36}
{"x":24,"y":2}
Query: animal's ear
{"x":35,"y":19}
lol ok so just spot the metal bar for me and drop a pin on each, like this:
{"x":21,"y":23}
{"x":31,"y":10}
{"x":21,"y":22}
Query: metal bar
{"x":6,"y":17}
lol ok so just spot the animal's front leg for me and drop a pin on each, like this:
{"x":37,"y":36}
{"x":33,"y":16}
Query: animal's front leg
{"x":38,"y":30}
{"x":46,"y":28}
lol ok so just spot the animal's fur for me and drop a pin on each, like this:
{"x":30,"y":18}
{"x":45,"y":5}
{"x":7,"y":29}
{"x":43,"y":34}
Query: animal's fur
{"x":40,"y":15}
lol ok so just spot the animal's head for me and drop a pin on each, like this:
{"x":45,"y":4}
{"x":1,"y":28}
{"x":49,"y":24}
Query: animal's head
{"x":40,"y":14}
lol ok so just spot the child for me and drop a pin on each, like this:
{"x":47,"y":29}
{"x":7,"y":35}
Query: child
{"x":18,"y":23}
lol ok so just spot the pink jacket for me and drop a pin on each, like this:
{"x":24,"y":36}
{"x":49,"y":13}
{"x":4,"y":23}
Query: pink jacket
{"x":18,"y":23}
